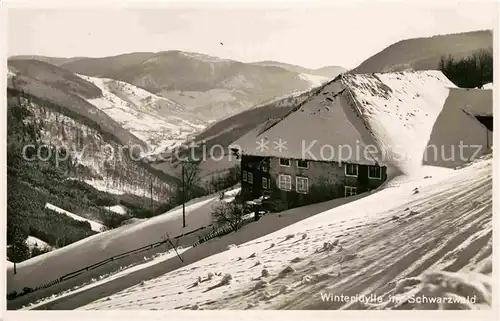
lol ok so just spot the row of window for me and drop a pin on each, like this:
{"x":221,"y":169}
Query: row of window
{"x":350,"y":169}
{"x":301,"y":183}
{"x":285,"y":183}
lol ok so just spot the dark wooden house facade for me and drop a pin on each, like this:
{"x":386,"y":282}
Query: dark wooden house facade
{"x":301,"y":182}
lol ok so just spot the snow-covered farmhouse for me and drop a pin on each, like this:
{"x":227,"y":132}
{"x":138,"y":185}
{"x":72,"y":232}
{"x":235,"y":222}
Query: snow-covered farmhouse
{"x":353,"y":133}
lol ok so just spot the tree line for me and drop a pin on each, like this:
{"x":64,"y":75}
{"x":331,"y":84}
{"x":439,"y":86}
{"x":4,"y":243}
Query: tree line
{"x":472,"y":71}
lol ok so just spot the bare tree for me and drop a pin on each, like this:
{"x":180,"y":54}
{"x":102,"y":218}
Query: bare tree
{"x":230,"y":214}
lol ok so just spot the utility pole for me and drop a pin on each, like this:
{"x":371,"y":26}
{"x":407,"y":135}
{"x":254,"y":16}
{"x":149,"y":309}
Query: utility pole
{"x":183,"y":199}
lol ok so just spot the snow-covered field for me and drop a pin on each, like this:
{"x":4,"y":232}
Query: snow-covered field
{"x":118,"y":209}
{"x":33,"y":241}
{"x":419,"y":237}
{"x":169,"y":216}
{"x":95,"y":226}
{"x":158,"y":121}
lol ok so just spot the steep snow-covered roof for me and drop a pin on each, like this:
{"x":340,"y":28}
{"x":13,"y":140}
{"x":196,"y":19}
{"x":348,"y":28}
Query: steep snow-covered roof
{"x":384,"y":118}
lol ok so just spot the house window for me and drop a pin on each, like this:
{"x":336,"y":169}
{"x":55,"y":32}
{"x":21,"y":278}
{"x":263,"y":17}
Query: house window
{"x":264,"y":168}
{"x":351,"y":170}
{"x":250,"y":178}
{"x":265,"y":183}
{"x":375,"y":172}
{"x":302,"y":184}
{"x":245,"y":176}
{"x":285,"y":182}
{"x":284,"y":162}
{"x":302,"y":164}
{"x":350,"y":191}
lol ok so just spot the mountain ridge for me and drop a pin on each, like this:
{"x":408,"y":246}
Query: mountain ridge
{"x":213,"y":88}
{"x":424,"y":53}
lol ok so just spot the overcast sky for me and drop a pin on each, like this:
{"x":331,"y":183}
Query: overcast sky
{"x":319,"y":34}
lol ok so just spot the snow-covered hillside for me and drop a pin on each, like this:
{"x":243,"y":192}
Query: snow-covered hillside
{"x":315,"y":80}
{"x":204,"y":57}
{"x":424,"y":236}
{"x":47,"y":267}
{"x":93,"y":154}
{"x":122,"y":272}
{"x":98,"y":227}
{"x":160,"y":122}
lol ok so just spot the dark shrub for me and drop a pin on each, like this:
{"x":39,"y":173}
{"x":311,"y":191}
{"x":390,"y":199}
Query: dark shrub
{"x":12,"y":295}
{"x":26,"y":290}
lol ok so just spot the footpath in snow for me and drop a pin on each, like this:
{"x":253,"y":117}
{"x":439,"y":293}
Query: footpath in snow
{"x":418,"y":243}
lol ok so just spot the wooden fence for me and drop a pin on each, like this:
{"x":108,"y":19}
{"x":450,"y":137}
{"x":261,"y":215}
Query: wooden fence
{"x":213,"y":234}
{"x":74,"y":274}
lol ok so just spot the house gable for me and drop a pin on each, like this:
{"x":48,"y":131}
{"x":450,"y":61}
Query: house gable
{"x":457,"y":136}
{"x":385,"y":119}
